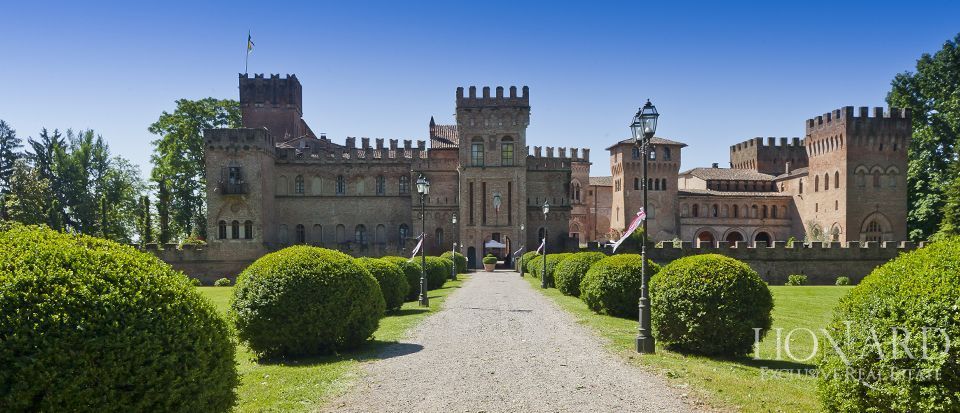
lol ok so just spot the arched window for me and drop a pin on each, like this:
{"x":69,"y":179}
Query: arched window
{"x":816,"y":183}
{"x":248,"y":229}
{"x":666,"y":153}
{"x":340,"y":233}
{"x":773,"y":211}
{"x":765,"y":211}
{"x":636,"y":152}
{"x":734,"y":237}
{"x":403,"y":233}
{"x":381,"y":235}
{"x":317,"y":235}
{"x":404,"y":185}
{"x":836,"y":179}
{"x":301,"y":234}
{"x":763,"y":237}
{"x":826,"y":182}
{"x":575,"y":192}
{"x":663,"y":184}
{"x":650,"y":184}
{"x":284,"y":234}
{"x":438,"y":237}
{"x":341,"y":185}
{"x":381,"y":185}
{"x":476,"y":152}
{"x":636,"y":184}
{"x":653,"y":153}
{"x":695,"y":210}
{"x":876,"y":179}
{"x":736,"y":211}
{"x":861,"y":178}
{"x":715,"y":211}
{"x":235,"y":229}
{"x":298,"y":184}
{"x":506,"y":152}
{"x":222,"y":230}
{"x":892,"y":177}
{"x":753,"y":211}
{"x":360,"y":234}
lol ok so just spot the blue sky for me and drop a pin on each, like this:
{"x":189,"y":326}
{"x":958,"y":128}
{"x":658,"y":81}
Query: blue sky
{"x":719,"y":74}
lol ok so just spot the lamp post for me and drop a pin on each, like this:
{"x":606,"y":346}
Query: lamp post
{"x":643,"y":127}
{"x":423,"y":187}
{"x":453,"y":252}
{"x":543,"y":276}
{"x":523,"y":237}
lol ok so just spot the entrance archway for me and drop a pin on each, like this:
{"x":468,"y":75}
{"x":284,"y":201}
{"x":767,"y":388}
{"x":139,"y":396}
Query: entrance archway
{"x":471,"y":257}
{"x":763,"y":237}
{"x":734,"y":236}
{"x":705,"y":238}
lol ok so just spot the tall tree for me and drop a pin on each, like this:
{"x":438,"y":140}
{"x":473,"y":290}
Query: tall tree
{"x":9,"y":153}
{"x":29,"y":198}
{"x":932,"y":92}
{"x":146,"y":223}
{"x":163,"y":210}
{"x":178,"y":159}
{"x":950,"y":226}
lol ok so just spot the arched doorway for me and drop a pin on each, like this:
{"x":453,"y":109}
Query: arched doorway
{"x":705,"y":238}
{"x":734,"y":236}
{"x":471,"y":257}
{"x":763,"y":237}
{"x":876,"y":228}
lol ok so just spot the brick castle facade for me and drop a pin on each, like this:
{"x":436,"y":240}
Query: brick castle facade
{"x":274,"y":183}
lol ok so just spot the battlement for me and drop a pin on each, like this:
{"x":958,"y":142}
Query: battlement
{"x":274,"y":91}
{"x":772,"y":143}
{"x":350,"y":152}
{"x":847,"y":113}
{"x":245,"y":136}
{"x":559,"y":160}
{"x":499,"y":100}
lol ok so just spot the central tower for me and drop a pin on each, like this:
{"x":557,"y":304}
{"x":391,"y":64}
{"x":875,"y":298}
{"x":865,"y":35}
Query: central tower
{"x":493,"y":155}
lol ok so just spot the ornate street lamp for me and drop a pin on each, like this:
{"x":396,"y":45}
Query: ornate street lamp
{"x":543,"y":276}
{"x":423,"y":188}
{"x":643,"y":127}
{"x":453,"y":252}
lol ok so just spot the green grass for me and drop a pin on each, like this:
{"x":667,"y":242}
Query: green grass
{"x":738,"y":384}
{"x":306,"y":383}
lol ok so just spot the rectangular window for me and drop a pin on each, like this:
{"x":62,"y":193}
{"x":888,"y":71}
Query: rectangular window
{"x":506,"y":154}
{"x":235,"y":177}
{"x":381,"y":185}
{"x":476,"y":154}
{"x":404,"y":185}
{"x":341,"y":185}
{"x":471,"y":204}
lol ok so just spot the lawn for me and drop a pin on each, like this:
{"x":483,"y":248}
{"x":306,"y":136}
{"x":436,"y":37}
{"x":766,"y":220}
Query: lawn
{"x":305,"y":384}
{"x":745,"y":384}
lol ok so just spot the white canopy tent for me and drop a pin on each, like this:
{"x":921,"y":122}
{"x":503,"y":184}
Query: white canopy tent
{"x":494,"y":244}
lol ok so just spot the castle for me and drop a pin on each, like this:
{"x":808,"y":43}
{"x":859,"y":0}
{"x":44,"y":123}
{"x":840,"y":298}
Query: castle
{"x":274,"y":183}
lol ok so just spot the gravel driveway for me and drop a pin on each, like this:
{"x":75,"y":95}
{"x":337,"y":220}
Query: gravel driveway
{"x":500,"y":346}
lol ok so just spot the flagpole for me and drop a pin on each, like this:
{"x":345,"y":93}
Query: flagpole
{"x":246,"y":49}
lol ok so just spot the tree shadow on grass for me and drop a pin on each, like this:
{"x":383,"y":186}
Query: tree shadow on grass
{"x":406,"y":311}
{"x":744,"y":362}
{"x":371,"y":350}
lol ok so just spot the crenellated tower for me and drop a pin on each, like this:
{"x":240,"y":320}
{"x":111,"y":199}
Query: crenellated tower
{"x":274,"y":103}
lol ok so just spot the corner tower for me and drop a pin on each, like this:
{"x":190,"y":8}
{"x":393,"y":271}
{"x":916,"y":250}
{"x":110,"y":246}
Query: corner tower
{"x":273,"y":103}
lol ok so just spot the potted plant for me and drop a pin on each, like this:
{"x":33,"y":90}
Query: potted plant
{"x":489,"y":262}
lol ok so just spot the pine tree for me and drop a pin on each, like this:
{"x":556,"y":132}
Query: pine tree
{"x":163,"y":210}
{"x":9,"y":144}
{"x":950,"y":224}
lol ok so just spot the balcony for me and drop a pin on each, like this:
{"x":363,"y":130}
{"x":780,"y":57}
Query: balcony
{"x":233,"y":188}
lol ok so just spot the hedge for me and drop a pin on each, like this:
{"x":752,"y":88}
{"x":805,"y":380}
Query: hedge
{"x":527,"y":257}
{"x":918,"y":291}
{"x":458,"y":259}
{"x":612,"y":285}
{"x":412,"y":271}
{"x":570,"y":272}
{"x":90,"y":325}
{"x":709,"y":304}
{"x":438,"y":272}
{"x":305,"y":300}
{"x":536,"y":265}
{"x":392,"y":281}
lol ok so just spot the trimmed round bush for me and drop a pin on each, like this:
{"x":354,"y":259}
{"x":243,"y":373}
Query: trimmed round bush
{"x":536,"y":266}
{"x":489,"y":259}
{"x":87,"y":324}
{"x":796,"y":279}
{"x":438,"y":272}
{"x":843,"y":280}
{"x":392,"y":281}
{"x":709,"y":304}
{"x":612,"y":285}
{"x":305,"y":300}
{"x":916,"y":292}
{"x":570,"y":272}
{"x":458,"y":259}
{"x":411,"y":270}
{"x":222,"y":282}
{"x":527,"y":257}
{"x":196,"y":282}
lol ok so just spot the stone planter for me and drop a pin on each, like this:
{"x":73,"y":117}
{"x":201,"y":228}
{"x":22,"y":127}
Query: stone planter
{"x":489,"y":267}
